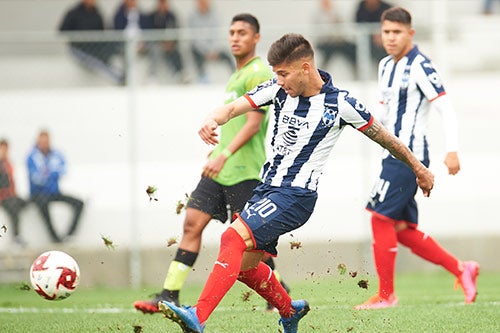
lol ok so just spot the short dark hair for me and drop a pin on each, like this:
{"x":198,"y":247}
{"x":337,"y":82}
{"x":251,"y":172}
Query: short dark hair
{"x":289,"y":48}
{"x":396,"y":14}
{"x":248,"y":18}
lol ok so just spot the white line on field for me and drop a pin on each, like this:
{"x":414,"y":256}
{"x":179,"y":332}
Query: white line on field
{"x":113,"y":310}
{"x":64,"y":310}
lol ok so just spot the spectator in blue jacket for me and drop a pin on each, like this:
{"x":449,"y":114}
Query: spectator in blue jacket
{"x":45,"y":167}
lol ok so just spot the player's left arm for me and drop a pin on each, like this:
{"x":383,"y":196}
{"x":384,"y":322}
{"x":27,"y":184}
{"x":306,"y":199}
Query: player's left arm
{"x":376,"y":132}
{"x":430,"y":83}
{"x":450,"y":128}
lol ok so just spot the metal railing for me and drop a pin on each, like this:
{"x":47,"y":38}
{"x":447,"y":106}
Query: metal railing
{"x":62,"y":59}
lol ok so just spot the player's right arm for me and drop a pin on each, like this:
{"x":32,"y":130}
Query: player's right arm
{"x":221,"y":115}
{"x":214,"y":166}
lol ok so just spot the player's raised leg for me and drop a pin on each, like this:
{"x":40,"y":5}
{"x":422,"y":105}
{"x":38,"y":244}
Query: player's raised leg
{"x":221,"y":279}
{"x":427,"y":248}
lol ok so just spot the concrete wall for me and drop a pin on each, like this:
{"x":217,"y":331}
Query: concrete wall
{"x":314,"y":260}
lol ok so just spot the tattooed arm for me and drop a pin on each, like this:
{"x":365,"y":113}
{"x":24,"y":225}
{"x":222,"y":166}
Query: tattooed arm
{"x":376,"y":132}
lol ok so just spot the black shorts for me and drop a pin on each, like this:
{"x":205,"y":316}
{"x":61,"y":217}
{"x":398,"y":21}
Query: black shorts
{"x":220,"y":201}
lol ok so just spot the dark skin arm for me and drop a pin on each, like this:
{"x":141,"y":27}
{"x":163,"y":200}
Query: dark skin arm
{"x":377,"y":133}
{"x":213,"y":167}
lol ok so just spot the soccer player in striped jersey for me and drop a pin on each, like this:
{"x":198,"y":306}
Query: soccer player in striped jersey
{"x":409,"y":85}
{"x":309,"y":113}
{"x":232,"y":171}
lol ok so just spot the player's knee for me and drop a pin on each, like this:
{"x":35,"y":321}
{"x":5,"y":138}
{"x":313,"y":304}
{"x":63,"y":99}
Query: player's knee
{"x":231,"y":237}
{"x":193,"y":227}
{"x":400,"y":226}
{"x":192,"y":231}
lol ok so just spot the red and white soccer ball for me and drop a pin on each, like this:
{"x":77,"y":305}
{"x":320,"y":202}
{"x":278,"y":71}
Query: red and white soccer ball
{"x":54,"y":275}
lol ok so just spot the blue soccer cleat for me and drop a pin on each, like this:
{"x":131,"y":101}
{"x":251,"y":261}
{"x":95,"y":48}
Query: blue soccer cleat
{"x":184,"y":316}
{"x":291,"y":325}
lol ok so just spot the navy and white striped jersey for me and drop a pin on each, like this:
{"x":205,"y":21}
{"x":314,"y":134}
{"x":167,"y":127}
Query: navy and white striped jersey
{"x":408,"y":88}
{"x":305,"y":130}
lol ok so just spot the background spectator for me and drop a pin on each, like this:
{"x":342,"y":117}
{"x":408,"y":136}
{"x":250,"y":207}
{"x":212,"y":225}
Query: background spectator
{"x":207,"y":47}
{"x":370,"y":11}
{"x":128,"y":15}
{"x":45,"y":167}
{"x":329,"y":46}
{"x":487,"y":7}
{"x":164,"y":18}
{"x":85,"y":16}
{"x":8,"y":197}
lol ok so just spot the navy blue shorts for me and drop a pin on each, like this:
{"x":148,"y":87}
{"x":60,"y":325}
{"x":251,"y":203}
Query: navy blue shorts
{"x":274,"y":211}
{"x":220,"y":201}
{"x":393,"y":195}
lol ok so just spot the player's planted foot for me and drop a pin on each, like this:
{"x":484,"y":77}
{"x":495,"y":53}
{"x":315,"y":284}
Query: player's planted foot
{"x":269,"y":306}
{"x":184,"y":316}
{"x":377,"y":302}
{"x":468,"y":281}
{"x":152,"y":305}
{"x":291,"y":325}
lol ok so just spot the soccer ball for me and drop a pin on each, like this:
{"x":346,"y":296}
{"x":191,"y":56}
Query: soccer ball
{"x":54,"y":275}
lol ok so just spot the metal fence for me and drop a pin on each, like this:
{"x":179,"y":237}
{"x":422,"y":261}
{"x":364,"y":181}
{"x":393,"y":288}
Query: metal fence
{"x":90,"y":58}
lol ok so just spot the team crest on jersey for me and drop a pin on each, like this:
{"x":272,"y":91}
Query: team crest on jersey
{"x":405,"y":79}
{"x":330,"y":114}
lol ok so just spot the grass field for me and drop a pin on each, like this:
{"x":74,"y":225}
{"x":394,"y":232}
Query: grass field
{"x":428,"y":303}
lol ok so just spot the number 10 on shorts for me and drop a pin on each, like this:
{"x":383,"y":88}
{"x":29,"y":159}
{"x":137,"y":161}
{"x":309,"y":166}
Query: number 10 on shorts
{"x":264,"y":207}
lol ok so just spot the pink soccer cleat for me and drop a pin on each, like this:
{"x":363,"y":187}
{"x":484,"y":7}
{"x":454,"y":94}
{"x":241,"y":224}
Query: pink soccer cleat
{"x":377,"y":302}
{"x":468,"y":281}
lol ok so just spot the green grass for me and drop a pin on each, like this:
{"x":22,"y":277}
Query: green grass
{"x":428,"y":303}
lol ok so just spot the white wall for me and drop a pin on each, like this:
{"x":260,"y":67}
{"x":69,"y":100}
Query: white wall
{"x":92,"y":127}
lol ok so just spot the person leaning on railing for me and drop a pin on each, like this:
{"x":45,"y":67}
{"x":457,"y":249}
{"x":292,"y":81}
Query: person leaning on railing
{"x":95,"y":55}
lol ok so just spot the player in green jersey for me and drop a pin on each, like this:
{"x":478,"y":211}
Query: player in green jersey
{"x":232,"y":171}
